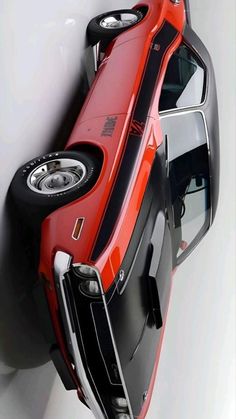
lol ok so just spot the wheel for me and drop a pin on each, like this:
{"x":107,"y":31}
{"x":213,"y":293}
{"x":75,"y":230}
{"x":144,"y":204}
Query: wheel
{"x":107,"y":26}
{"x":51,"y":181}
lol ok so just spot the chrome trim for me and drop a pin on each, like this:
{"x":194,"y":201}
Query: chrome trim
{"x":183,"y":108}
{"x":74,"y":237}
{"x":96,"y":56}
{"x":62,"y":263}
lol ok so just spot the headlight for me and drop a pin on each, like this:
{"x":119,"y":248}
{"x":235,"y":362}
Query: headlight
{"x":90,"y":288}
{"x":85,"y":270}
{"x":88,"y":284}
{"x":120,"y":403}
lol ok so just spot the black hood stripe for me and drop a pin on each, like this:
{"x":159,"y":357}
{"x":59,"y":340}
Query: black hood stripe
{"x":159,"y":46}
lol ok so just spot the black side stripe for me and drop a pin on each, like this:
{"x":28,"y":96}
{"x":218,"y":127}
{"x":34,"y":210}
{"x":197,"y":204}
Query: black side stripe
{"x":161,"y":42}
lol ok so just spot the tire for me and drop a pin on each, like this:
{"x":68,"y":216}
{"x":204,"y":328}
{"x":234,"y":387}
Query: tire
{"x":48,"y":182}
{"x":96,"y":31}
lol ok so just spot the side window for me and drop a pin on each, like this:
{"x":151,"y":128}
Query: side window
{"x":189,"y":179}
{"x":184,"y":81}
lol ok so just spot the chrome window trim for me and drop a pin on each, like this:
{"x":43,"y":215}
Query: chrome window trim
{"x":184,"y":108}
{"x":178,"y":112}
{"x":62,"y":264}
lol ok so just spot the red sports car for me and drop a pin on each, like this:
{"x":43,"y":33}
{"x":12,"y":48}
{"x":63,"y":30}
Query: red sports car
{"x":129,"y":198}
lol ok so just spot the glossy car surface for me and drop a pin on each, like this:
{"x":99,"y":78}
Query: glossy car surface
{"x":107,"y":258}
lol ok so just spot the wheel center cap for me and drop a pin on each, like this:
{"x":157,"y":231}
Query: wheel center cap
{"x":57,"y":180}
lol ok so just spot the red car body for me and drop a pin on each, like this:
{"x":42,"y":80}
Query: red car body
{"x":119,"y":118}
{"x":102,"y":103}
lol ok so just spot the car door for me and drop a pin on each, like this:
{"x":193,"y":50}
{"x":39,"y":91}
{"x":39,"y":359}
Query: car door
{"x":186,"y":142}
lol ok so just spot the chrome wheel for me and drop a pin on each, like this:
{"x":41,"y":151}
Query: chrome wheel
{"x":107,"y":26}
{"x":51,"y":181}
{"x":119,"y":20}
{"x":56,"y":176}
